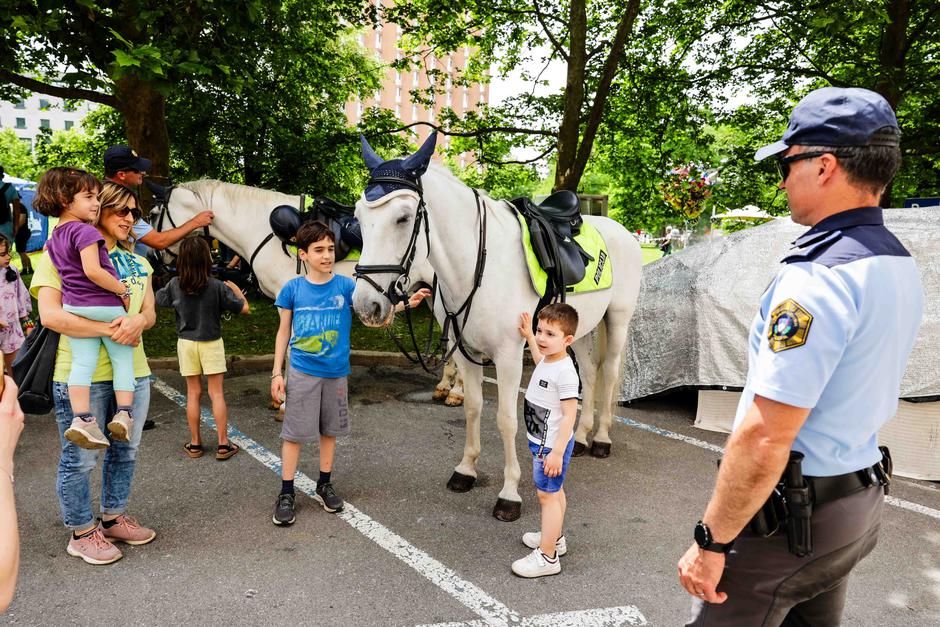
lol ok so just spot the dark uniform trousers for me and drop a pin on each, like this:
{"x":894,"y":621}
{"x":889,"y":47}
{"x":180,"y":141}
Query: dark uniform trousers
{"x":769,"y":586}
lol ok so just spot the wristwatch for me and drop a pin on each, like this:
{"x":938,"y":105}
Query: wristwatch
{"x":703,"y":538}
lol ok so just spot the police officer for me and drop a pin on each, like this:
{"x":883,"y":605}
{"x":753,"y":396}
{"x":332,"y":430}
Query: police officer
{"x":827,"y":351}
{"x":125,"y":167}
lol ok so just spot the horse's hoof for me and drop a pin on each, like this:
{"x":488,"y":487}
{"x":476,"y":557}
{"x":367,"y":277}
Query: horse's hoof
{"x":460,"y":483}
{"x":579,"y":449}
{"x":507,"y":511}
{"x":440,"y":394}
{"x":600,"y":449}
{"x":453,"y":400}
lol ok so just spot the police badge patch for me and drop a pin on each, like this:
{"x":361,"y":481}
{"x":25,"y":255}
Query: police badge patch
{"x":789,"y":326}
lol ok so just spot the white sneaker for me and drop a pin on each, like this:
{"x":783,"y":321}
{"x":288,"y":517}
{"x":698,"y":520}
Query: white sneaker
{"x":86,"y":435}
{"x":535,"y":565}
{"x":533,"y":540}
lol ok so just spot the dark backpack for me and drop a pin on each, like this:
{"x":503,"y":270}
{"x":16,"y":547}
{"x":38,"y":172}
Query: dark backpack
{"x":5,"y":215}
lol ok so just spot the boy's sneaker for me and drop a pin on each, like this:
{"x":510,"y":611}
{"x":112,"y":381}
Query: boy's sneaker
{"x":535,"y":565}
{"x":284,"y":510}
{"x":128,"y":531}
{"x":94,"y":548}
{"x":86,"y":434}
{"x":533,"y":540}
{"x":120,"y":426}
{"x":327,"y":497}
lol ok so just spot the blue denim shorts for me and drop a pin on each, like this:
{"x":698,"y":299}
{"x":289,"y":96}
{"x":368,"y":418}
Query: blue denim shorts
{"x":549,"y":484}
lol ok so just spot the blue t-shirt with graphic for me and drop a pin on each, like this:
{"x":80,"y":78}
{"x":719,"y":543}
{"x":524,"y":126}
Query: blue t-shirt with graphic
{"x":321,"y":321}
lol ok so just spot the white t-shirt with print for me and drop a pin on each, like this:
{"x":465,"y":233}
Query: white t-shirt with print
{"x":550,"y":384}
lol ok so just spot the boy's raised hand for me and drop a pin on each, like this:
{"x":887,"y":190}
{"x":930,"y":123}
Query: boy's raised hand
{"x":418,"y":296}
{"x":525,"y":325}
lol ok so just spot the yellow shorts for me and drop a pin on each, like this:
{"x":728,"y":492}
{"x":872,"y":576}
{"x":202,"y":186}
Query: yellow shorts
{"x":201,"y":357}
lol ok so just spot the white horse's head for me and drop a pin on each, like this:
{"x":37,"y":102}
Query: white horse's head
{"x":393,"y":232}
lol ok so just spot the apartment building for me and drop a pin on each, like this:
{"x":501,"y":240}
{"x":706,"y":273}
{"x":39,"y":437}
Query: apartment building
{"x":28,"y":116}
{"x":394,"y":94}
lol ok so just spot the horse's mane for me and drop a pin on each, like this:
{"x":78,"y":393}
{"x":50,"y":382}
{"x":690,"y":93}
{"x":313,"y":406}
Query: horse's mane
{"x":446,"y":173}
{"x":205,"y":188}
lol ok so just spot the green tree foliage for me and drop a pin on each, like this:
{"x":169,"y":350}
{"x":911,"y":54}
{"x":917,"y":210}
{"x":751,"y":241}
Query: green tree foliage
{"x":888,"y":46}
{"x":16,"y":157}
{"x":250,"y":88}
{"x":128,"y":55}
{"x":590,"y":39}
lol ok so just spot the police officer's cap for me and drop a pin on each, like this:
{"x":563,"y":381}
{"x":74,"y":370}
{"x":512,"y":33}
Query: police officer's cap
{"x":835,"y":116}
{"x":120,"y":157}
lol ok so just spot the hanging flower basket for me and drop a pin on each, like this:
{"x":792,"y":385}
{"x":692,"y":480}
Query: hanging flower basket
{"x":686,"y":189}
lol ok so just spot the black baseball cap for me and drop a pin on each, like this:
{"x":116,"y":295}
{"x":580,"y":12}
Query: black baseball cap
{"x":836,"y":116}
{"x":120,"y":157}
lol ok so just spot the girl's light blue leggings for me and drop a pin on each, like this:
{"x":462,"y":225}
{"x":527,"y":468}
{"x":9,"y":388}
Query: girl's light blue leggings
{"x":85,"y":351}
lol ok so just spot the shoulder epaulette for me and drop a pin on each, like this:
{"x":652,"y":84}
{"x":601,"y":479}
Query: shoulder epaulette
{"x":809,"y":246}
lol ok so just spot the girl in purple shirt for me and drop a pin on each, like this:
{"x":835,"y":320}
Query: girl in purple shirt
{"x":90,"y":289}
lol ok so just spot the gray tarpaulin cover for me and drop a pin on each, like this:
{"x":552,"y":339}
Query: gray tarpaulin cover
{"x":696,"y":306}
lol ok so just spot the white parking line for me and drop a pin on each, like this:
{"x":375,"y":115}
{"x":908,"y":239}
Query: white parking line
{"x":475,"y":599}
{"x":626,"y":615}
{"x":890,"y":500}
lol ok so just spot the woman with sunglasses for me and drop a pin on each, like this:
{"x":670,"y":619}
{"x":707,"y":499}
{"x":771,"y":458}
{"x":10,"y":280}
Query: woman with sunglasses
{"x":15,"y":307}
{"x":91,"y":539}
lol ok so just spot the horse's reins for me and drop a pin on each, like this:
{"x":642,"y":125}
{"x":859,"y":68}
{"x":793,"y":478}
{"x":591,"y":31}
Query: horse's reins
{"x":164,"y":205}
{"x":395,"y":291}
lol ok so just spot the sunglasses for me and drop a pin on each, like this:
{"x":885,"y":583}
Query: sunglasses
{"x":124,"y":211}
{"x":783,"y":163}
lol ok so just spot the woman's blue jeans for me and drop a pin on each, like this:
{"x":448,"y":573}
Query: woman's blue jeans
{"x":76,"y":464}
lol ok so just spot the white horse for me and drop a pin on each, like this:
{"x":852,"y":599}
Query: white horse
{"x":388,"y":212}
{"x":241,"y":222}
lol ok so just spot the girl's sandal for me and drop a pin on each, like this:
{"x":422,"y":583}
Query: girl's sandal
{"x":193,"y":450}
{"x":226,"y":450}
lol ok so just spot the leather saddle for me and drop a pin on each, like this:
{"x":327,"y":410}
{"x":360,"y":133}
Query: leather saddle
{"x":553,"y":224}
{"x":285,"y":220}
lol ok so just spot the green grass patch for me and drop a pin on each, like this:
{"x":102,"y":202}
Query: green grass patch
{"x":651,"y":252}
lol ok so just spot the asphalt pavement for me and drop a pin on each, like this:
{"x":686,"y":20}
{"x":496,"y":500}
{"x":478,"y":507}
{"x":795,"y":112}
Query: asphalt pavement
{"x":406,"y":551}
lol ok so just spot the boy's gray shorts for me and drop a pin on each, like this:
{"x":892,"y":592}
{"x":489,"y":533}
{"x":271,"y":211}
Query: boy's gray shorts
{"x":315,"y":406}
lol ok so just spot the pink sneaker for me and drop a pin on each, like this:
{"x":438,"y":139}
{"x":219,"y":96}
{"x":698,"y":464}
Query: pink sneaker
{"x":120,"y":426}
{"x":128,"y":531}
{"x":94,"y":548}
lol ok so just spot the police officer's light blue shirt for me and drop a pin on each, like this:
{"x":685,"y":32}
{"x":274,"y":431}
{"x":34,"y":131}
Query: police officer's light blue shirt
{"x":141,"y":228}
{"x":320,"y":322}
{"x":833,"y":334}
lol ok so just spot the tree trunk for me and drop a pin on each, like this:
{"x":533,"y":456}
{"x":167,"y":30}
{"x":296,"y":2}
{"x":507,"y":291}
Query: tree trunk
{"x":570,"y":130}
{"x":891,"y":56}
{"x":144,"y":113}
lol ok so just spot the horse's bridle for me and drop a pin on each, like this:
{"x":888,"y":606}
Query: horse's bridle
{"x":163,"y":203}
{"x":395,"y":292}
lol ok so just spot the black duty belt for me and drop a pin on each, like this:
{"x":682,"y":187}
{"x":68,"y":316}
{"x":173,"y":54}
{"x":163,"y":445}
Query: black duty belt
{"x":828,"y":489}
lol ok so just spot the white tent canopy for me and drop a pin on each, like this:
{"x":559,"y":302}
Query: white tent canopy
{"x":747,"y":212}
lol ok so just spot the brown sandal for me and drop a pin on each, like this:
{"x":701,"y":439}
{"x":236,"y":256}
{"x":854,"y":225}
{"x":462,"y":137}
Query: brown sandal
{"x":226,"y":450}
{"x":193,"y":450}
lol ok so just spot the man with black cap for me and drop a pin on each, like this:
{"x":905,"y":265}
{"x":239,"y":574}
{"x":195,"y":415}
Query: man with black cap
{"x":122,"y":165}
{"x":800,"y":490}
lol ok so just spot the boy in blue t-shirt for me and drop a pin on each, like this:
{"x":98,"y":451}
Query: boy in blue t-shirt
{"x":316,"y":319}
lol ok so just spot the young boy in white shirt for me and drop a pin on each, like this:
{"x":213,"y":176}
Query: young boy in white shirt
{"x":551,"y":407}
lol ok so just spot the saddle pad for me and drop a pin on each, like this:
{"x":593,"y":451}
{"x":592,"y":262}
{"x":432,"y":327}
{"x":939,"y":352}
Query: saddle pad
{"x":598,"y":274}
